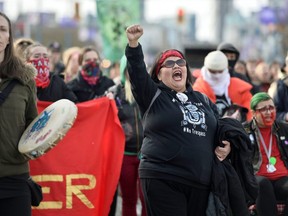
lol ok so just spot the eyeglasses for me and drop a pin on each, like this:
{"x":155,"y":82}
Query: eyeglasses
{"x":171,"y":63}
{"x":266,"y":108}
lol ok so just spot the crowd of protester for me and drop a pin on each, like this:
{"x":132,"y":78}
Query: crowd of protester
{"x":266,"y":124}
{"x":253,"y":92}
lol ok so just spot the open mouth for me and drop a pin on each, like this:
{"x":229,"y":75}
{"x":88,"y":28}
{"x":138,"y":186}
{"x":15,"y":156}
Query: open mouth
{"x":177,"y":75}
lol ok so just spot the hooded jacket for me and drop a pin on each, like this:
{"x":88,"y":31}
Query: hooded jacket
{"x":238,"y":91}
{"x":16,"y":113}
{"x":178,"y":140}
{"x":228,"y":47}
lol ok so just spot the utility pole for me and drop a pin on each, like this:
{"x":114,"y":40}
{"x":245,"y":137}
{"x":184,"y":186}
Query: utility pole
{"x":223,"y":7}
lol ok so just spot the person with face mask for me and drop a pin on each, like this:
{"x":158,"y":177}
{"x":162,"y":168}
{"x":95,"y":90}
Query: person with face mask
{"x":50,"y":86}
{"x":228,"y":93}
{"x":270,"y":153}
{"x":90,"y":82}
{"x":232,"y":55}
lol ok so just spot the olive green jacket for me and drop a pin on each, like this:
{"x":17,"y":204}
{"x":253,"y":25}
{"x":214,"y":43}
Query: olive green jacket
{"x":16,"y":113}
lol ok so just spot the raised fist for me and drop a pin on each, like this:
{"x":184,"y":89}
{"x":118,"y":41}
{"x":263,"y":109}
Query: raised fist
{"x":133,"y":33}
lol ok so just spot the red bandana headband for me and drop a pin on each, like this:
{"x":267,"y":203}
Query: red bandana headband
{"x":165,"y":55}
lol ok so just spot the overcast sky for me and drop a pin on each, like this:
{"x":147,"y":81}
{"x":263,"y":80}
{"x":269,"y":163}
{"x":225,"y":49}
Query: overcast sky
{"x":155,"y":9}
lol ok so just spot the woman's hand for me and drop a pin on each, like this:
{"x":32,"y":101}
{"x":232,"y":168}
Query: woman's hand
{"x":222,"y":152}
{"x":110,"y":95}
{"x":133,"y":33}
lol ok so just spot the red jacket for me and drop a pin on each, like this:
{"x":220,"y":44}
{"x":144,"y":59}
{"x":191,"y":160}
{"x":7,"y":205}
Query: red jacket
{"x":238,"y":91}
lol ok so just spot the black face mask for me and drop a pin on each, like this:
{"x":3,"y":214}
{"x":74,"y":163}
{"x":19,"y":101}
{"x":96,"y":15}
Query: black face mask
{"x":231,"y":64}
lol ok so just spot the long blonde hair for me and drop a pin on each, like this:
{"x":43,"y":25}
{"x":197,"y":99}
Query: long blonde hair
{"x":124,"y":76}
{"x":128,"y":93}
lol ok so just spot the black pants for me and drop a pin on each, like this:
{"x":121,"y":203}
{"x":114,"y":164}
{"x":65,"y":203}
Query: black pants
{"x":15,"y":206}
{"x":15,"y":196}
{"x":169,"y":198}
{"x":269,"y":193}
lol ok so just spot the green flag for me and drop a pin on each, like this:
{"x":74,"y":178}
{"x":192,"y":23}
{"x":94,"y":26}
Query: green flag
{"x":114,"y":16}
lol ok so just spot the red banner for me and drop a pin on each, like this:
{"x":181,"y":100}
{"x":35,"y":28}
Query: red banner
{"x":79,"y":176}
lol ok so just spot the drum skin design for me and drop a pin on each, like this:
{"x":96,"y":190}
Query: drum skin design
{"x":48,"y":128}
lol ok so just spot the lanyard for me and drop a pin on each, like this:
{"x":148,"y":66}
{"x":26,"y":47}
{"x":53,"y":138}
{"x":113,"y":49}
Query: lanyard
{"x":267,"y":151}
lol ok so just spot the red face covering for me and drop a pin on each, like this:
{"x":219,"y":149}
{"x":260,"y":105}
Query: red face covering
{"x":42,"y":66}
{"x":91,"y":72}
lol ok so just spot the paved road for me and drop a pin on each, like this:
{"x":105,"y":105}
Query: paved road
{"x":119,"y":207}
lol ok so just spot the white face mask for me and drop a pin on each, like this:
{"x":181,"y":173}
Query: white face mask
{"x":219,"y":82}
{"x":215,"y":76}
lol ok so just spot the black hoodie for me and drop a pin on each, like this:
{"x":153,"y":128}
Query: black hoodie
{"x":229,"y":48}
{"x":178,"y":142}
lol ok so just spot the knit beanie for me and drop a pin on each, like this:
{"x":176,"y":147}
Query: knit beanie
{"x":257,"y":98}
{"x":123,"y":65}
{"x":216,"y":60}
